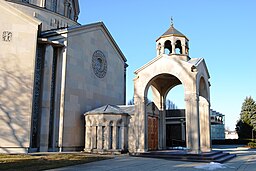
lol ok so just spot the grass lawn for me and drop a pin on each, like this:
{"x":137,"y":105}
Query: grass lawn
{"x":47,"y":161}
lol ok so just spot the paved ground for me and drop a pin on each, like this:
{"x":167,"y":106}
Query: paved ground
{"x":245,"y":161}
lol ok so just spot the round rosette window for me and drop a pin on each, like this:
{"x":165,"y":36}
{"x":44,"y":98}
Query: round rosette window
{"x":99,"y":64}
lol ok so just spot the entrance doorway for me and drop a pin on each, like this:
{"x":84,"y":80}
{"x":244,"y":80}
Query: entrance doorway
{"x":152,"y":133}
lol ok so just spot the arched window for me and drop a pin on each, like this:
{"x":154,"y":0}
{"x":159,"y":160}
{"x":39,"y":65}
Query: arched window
{"x":203,"y":88}
{"x":178,"y":48}
{"x":168,"y":47}
{"x":186,"y":47}
{"x":159,"y":48}
{"x":103,"y":136}
{"x":111,"y":129}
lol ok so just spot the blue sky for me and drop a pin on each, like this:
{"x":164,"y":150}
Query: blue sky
{"x":223,"y":32}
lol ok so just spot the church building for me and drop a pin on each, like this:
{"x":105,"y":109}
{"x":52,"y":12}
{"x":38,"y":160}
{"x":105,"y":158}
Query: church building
{"x":52,"y":71}
{"x":62,"y":86}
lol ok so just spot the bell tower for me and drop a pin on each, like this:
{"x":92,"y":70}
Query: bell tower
{"x":173,"y":43}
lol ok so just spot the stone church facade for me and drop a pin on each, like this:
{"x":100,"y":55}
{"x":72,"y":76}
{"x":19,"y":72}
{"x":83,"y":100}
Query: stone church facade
{"x":52,"y":71}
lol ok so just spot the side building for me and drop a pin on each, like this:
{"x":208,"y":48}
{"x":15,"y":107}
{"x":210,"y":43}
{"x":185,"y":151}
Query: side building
{"x":217,"y":125}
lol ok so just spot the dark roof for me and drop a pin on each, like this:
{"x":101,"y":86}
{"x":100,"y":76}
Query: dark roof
{"x":173,"y":31}
{"x":107,"y":109}
{"x":130,"y":109}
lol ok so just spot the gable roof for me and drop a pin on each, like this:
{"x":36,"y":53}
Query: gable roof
{"x":198,"y":61}
{"x":130,"y":109}
{"x":57,"y":32}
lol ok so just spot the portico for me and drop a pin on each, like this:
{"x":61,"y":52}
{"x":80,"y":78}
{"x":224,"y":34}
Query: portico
{"x":171,"y":67}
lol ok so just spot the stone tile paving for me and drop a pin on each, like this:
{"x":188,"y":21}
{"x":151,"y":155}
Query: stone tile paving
{"x":245,"y":161}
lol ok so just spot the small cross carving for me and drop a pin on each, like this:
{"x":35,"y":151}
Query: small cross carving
{"x":7,"y":36}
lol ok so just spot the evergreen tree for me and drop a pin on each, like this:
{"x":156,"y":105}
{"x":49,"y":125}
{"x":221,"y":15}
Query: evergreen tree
{"x":247,"y":122}
{"x":248,"y":112}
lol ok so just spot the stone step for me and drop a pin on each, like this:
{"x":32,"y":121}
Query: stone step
{"x":214,"y":156}
{"x":225,"y":158}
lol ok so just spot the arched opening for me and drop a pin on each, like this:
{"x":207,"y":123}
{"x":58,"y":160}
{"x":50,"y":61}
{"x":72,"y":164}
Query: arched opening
{"x":159,"y":48}
{"x":203,"y":88}
{"x":111,"y":130}
{"x":162,"y":123}
{"x":178,"y":47}
{"x":168,"y":47}
{"x":175,"y":117}
{"x":152,"y":113}
{"x":187,"y":48}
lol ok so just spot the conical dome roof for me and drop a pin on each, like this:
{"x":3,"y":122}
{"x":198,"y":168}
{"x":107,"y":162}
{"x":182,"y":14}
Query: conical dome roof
{"x":172,"y":32}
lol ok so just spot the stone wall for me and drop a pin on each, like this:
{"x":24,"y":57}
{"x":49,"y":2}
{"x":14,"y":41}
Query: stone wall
{"x":84,"y":90}
{"x":18,"y":51}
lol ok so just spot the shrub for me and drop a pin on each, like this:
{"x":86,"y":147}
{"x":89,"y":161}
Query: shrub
{"x":252,"y":144}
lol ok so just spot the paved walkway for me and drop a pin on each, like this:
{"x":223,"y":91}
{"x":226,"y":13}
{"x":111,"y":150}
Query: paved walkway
{"x":245,"y":161}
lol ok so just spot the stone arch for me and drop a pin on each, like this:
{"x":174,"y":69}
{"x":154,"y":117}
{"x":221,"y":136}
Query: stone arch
{"x":170,"y":68}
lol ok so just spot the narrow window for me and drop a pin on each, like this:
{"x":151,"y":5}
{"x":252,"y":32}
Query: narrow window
{"x":96,"y":136}
{"x":103,"y":136}
{"x":111,"y":137}
{"x":118,"y":137}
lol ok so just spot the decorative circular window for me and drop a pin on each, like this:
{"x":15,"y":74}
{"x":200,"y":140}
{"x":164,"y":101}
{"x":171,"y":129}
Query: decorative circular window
{"x":99,"y":64}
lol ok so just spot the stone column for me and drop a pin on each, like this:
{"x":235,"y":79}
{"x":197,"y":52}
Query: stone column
{"x":106,"y":134}
{"x":142,"y":122}
{"x":204,"y":113}
{"x":42,"y":4}
{"x":99,"y":138}
{"x":114,"y":145}
{"x":173,"y":48}
{"x":94,"y":138}
{"x":66,"y":7}
{"x":88,"y":138}
{"x":164,"y":123}
{"x":162,"y":49}
{"x":122,"y":138}
{"x":183,"y":47}
{"x":192,"y":123}
{"x":46,"y":98}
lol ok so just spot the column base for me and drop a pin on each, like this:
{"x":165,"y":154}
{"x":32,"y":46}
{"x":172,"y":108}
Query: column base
{"x":141,"y":150}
